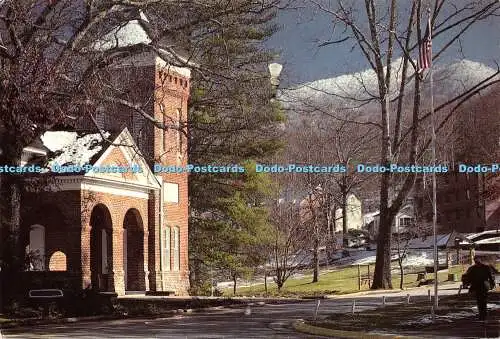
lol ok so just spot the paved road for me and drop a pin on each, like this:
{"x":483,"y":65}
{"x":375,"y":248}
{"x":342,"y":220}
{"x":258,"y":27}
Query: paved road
{"x":268,"y":321}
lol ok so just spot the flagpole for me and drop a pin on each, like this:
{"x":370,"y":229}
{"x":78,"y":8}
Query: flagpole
{"x":434,"y":189}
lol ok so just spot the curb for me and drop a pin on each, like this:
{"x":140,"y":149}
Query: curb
{"x":370,"y":292}
{"x":301,"y":326}
{"x":31,"y":322}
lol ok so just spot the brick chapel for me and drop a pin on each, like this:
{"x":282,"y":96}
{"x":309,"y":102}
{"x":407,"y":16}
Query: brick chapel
{"x":115,"y":232}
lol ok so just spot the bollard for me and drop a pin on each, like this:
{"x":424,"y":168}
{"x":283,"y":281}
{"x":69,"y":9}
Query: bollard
{"x":316,"y":309}
{"x":408,"y":298}
{"x":383,"y":300}
{"x":353,"y":306}
{"x":429,"y":294}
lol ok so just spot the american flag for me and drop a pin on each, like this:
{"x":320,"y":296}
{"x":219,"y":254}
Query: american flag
{"x":425,"y":50}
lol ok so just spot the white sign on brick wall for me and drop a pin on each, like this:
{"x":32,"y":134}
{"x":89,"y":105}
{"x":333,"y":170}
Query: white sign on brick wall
{"x":170,"y":192}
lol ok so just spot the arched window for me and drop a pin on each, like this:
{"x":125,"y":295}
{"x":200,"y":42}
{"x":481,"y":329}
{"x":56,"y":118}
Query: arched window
{"x":36,"y":248}
{"x":57,"y":261}
{"x":177,"y":258}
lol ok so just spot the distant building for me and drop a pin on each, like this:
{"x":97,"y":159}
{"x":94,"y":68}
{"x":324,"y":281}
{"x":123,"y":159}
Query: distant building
{"x":404,"y":219}
{"x":492,"y":203}
{"x":460,"y":202}
{"x":354,"y":214}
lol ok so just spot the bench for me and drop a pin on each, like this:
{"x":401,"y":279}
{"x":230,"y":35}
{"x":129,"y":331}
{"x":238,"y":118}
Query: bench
{"x":160,"y":293}
{"x":430,"y":269}
{"x":46,"y":298}
{"x":46,"y":293}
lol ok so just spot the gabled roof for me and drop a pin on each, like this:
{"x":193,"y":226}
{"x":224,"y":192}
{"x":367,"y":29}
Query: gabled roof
{"x":74,"y":148}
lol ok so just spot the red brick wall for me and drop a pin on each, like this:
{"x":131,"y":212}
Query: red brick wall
{"x":172,"y":92}
{"x":117,"y":206}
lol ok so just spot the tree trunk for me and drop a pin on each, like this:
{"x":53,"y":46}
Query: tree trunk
{"x":402,"y":273}
{"x":265,"y":281}
{"x":13,"y":257}
{"x":279,"y":282}
{"x":235,"y":278}
{"x":382,"y":274}
{"x":316,"y":259}
{"x":345,"y":226}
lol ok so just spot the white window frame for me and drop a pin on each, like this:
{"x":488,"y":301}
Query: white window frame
{"x":171,"y":192}
{"x":166,"y":249}
{"x":176,"y":249}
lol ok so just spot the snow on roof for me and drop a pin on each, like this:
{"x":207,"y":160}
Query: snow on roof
{"x":71,"y":148}
{"x":428,"y":242}
{"x":56,"y":141}
{"x":129,"y":34}
{"x":495,"y":240}
{"x":476,"y":235}
{"x":369,"y":217}
{"x":371,"y":214}
{"x":143,"y":16}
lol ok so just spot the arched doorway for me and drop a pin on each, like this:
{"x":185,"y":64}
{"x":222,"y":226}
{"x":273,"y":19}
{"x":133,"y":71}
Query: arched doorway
{"x":133,"y":251}
{"x":35,"y":250}
{"x":101,"y":248}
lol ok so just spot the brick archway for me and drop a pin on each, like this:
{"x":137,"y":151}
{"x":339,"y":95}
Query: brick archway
{"x":45,"y":231}
{"x":133,"y":251}
{"x":101,"y":248}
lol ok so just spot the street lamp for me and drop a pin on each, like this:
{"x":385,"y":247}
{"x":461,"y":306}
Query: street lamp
{"x":275,"y":71}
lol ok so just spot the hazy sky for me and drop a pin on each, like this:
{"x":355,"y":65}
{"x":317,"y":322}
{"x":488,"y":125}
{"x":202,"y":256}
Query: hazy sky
{"x":302,"y":30}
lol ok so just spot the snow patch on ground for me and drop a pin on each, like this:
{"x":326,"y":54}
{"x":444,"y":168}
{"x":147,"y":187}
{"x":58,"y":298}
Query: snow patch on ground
{"x":72,"y":149}
{"x":416,"y":259}
{"x":449,"y":317}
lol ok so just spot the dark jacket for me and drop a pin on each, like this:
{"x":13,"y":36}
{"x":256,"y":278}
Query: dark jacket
{"x":479,"y":278}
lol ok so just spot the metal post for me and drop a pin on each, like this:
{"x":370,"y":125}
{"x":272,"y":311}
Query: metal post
{"x":316,"y":309}
{"x":359,"y":279}
{"x":434,"y":194}
{"x":383,"y":300}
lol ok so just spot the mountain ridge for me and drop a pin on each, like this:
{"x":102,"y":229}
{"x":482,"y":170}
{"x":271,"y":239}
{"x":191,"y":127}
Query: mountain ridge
{"x":362,"y":86}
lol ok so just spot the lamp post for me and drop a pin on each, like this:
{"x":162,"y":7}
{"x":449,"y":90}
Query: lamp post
{"x":275,"y":71}
{"x":457,"y":247}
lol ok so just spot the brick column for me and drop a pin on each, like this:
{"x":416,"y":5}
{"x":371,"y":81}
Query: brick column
{"x":153,"y":242}
{"x":118,"y":272}
{"x":146,"y":259}
{"x":85,"y":255}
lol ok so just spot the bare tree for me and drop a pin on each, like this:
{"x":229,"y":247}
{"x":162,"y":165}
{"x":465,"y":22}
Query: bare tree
{"x":290,"y":247}
{"x":382,"y":32}
{"x":418,"y":228}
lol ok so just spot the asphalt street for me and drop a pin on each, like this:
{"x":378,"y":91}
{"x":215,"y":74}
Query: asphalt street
{"x":267,"y":321}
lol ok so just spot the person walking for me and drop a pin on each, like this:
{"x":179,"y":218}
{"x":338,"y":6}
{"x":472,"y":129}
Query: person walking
{"x":480,"y":280}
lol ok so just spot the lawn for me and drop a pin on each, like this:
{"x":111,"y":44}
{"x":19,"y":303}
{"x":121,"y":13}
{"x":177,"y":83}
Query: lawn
{"x":339,"y":281}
